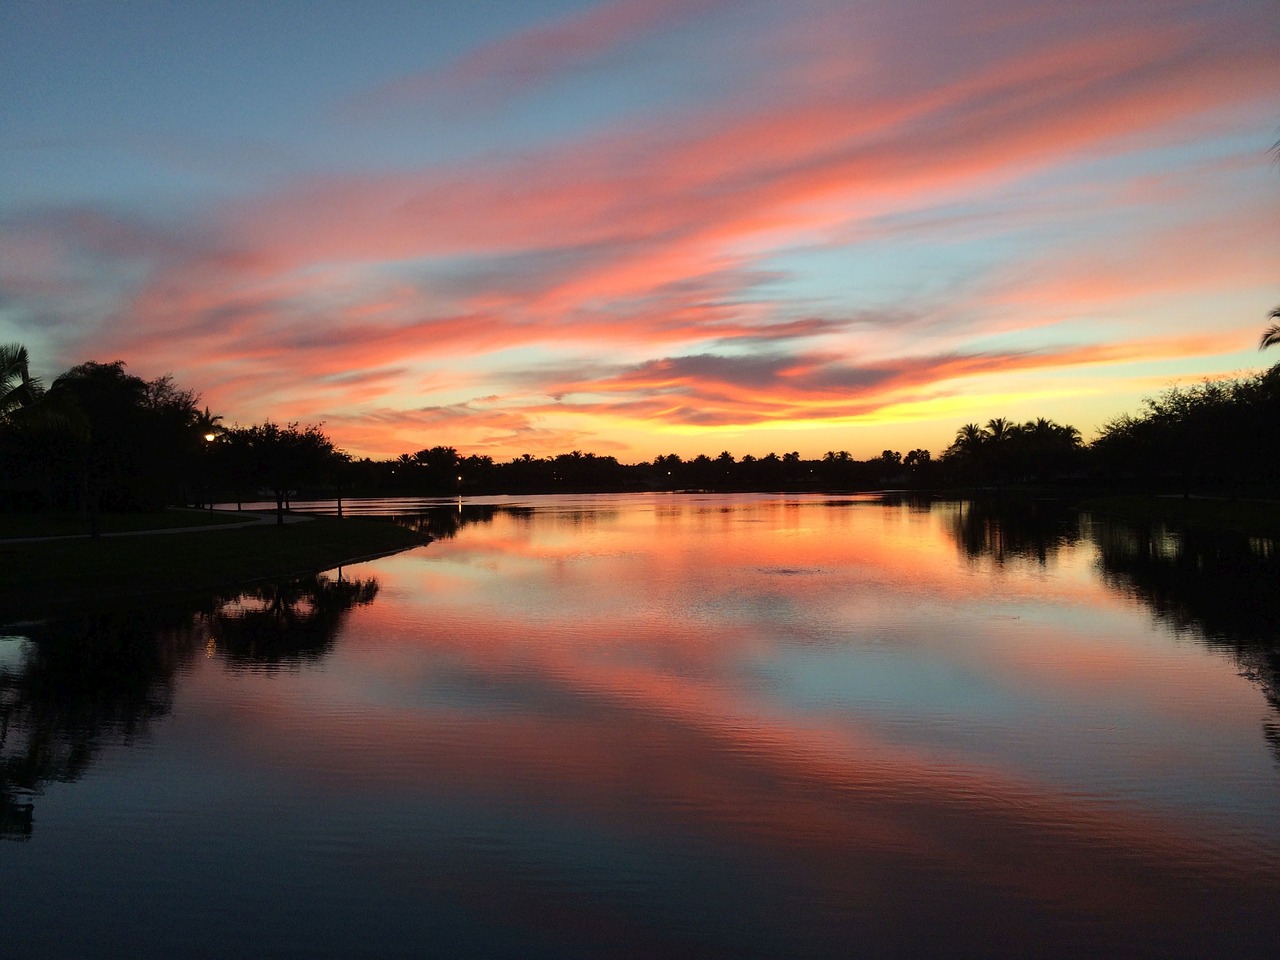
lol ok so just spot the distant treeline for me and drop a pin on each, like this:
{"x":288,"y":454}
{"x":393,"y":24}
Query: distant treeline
{"x":99,"y":438}
{"x":442,"y":470}
{"x":1215,"y":437}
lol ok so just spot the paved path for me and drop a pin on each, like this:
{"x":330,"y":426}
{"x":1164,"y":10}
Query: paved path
{"x":253,"y":519}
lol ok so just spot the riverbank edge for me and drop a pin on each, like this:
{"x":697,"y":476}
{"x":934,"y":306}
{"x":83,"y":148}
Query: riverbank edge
{"x":42,"y":578}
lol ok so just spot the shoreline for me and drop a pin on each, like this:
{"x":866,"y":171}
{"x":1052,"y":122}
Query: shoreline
{"x":61,"y":573}
{"x":44,"y":577}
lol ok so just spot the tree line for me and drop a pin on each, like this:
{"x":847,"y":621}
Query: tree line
{"x":1218,"y":436}
{"x":99,"y":438}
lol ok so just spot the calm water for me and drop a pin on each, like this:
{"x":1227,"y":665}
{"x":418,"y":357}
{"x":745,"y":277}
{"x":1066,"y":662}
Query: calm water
{"x":666,"y":726}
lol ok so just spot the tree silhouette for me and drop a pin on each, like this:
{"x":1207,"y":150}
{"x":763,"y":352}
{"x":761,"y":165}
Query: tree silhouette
{"x":133,"y":440}
{"x":999,"y":429}
{"x":1271,"y":335}
{"x":969,"y":438}
{"x":1215,"y":432}
{"x":17,"y":387}
{"x":284,"y":458}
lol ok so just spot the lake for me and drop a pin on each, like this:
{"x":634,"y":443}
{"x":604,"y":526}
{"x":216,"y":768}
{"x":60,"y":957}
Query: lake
{"x":666,"y":726}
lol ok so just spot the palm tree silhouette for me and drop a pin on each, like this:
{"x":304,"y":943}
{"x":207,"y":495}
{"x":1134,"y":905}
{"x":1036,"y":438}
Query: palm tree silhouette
{"x":969,"y":437}
{"x":999,"y":429}
{"x":17,"y":386}
{"x":1272,"y":333}
{"x":208,"y":424}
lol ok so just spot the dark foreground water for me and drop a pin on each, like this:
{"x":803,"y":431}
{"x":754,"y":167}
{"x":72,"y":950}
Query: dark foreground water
{"x":666,"y":726}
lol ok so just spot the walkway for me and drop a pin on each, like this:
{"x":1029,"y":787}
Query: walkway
{"x":256,"y":519}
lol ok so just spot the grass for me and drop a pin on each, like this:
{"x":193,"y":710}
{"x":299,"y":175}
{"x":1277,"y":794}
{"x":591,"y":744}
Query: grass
{"x":45,"y":576}
{"x":74,"y":524}
{"x":1254,"y":518}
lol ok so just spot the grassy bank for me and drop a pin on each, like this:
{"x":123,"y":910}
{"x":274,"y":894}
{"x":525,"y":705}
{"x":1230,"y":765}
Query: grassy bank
{"x":42,"y":577}
{"x":1254,"y":518}
{"x":76,"y":525}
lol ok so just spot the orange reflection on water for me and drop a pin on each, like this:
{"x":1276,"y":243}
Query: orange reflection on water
{"x":645,"y":755}
{"x":837,"y":694}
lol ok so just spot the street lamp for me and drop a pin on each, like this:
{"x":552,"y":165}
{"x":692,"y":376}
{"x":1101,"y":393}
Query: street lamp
{"x":208,"y":481}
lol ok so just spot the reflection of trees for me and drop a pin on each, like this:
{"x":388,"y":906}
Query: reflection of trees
{"x":1222,"y":589}
{"x":286,"y":622}
{"x":445,"y":522}
{"x":1008,"y":529}
{"x":914,"y":502}
{"x":80,"y":684}
{"x":83,"y":683}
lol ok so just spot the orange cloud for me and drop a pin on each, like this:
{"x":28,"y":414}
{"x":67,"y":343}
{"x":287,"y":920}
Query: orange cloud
{"x":670,"y":239}
{"x":713,"y":390}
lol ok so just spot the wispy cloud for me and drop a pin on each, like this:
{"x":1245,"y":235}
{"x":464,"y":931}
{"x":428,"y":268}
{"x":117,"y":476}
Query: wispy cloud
{"x":777,"y":253}
{"x":505,"y":69}
{"x":714,"y":390}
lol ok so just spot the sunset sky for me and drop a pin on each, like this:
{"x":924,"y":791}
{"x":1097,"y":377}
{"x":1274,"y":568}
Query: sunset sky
{"x":637,"y":227}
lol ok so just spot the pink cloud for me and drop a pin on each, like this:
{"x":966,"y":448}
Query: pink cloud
{"x":710,"y":390}
{"x":1209,"y":255}
{"x":660,"y":237}
{"x":665,"y":204}
{"x":479,"y":427}
{"x":743,"y":775}
{"x":506,"y":68}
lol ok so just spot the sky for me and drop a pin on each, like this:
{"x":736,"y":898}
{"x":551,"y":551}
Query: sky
{"x":640,"y":227}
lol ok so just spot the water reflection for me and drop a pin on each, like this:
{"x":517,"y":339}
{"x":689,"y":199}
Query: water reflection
{"x":445,"y":522}
{"x":1218,"y":588}
{"x":1012,"y":528}
{"x":75,"y":686}
{"x":70,"y":687}
{"x":1221,"y":587}
{"x":285,"y":623}
{"x":682,"y":726}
